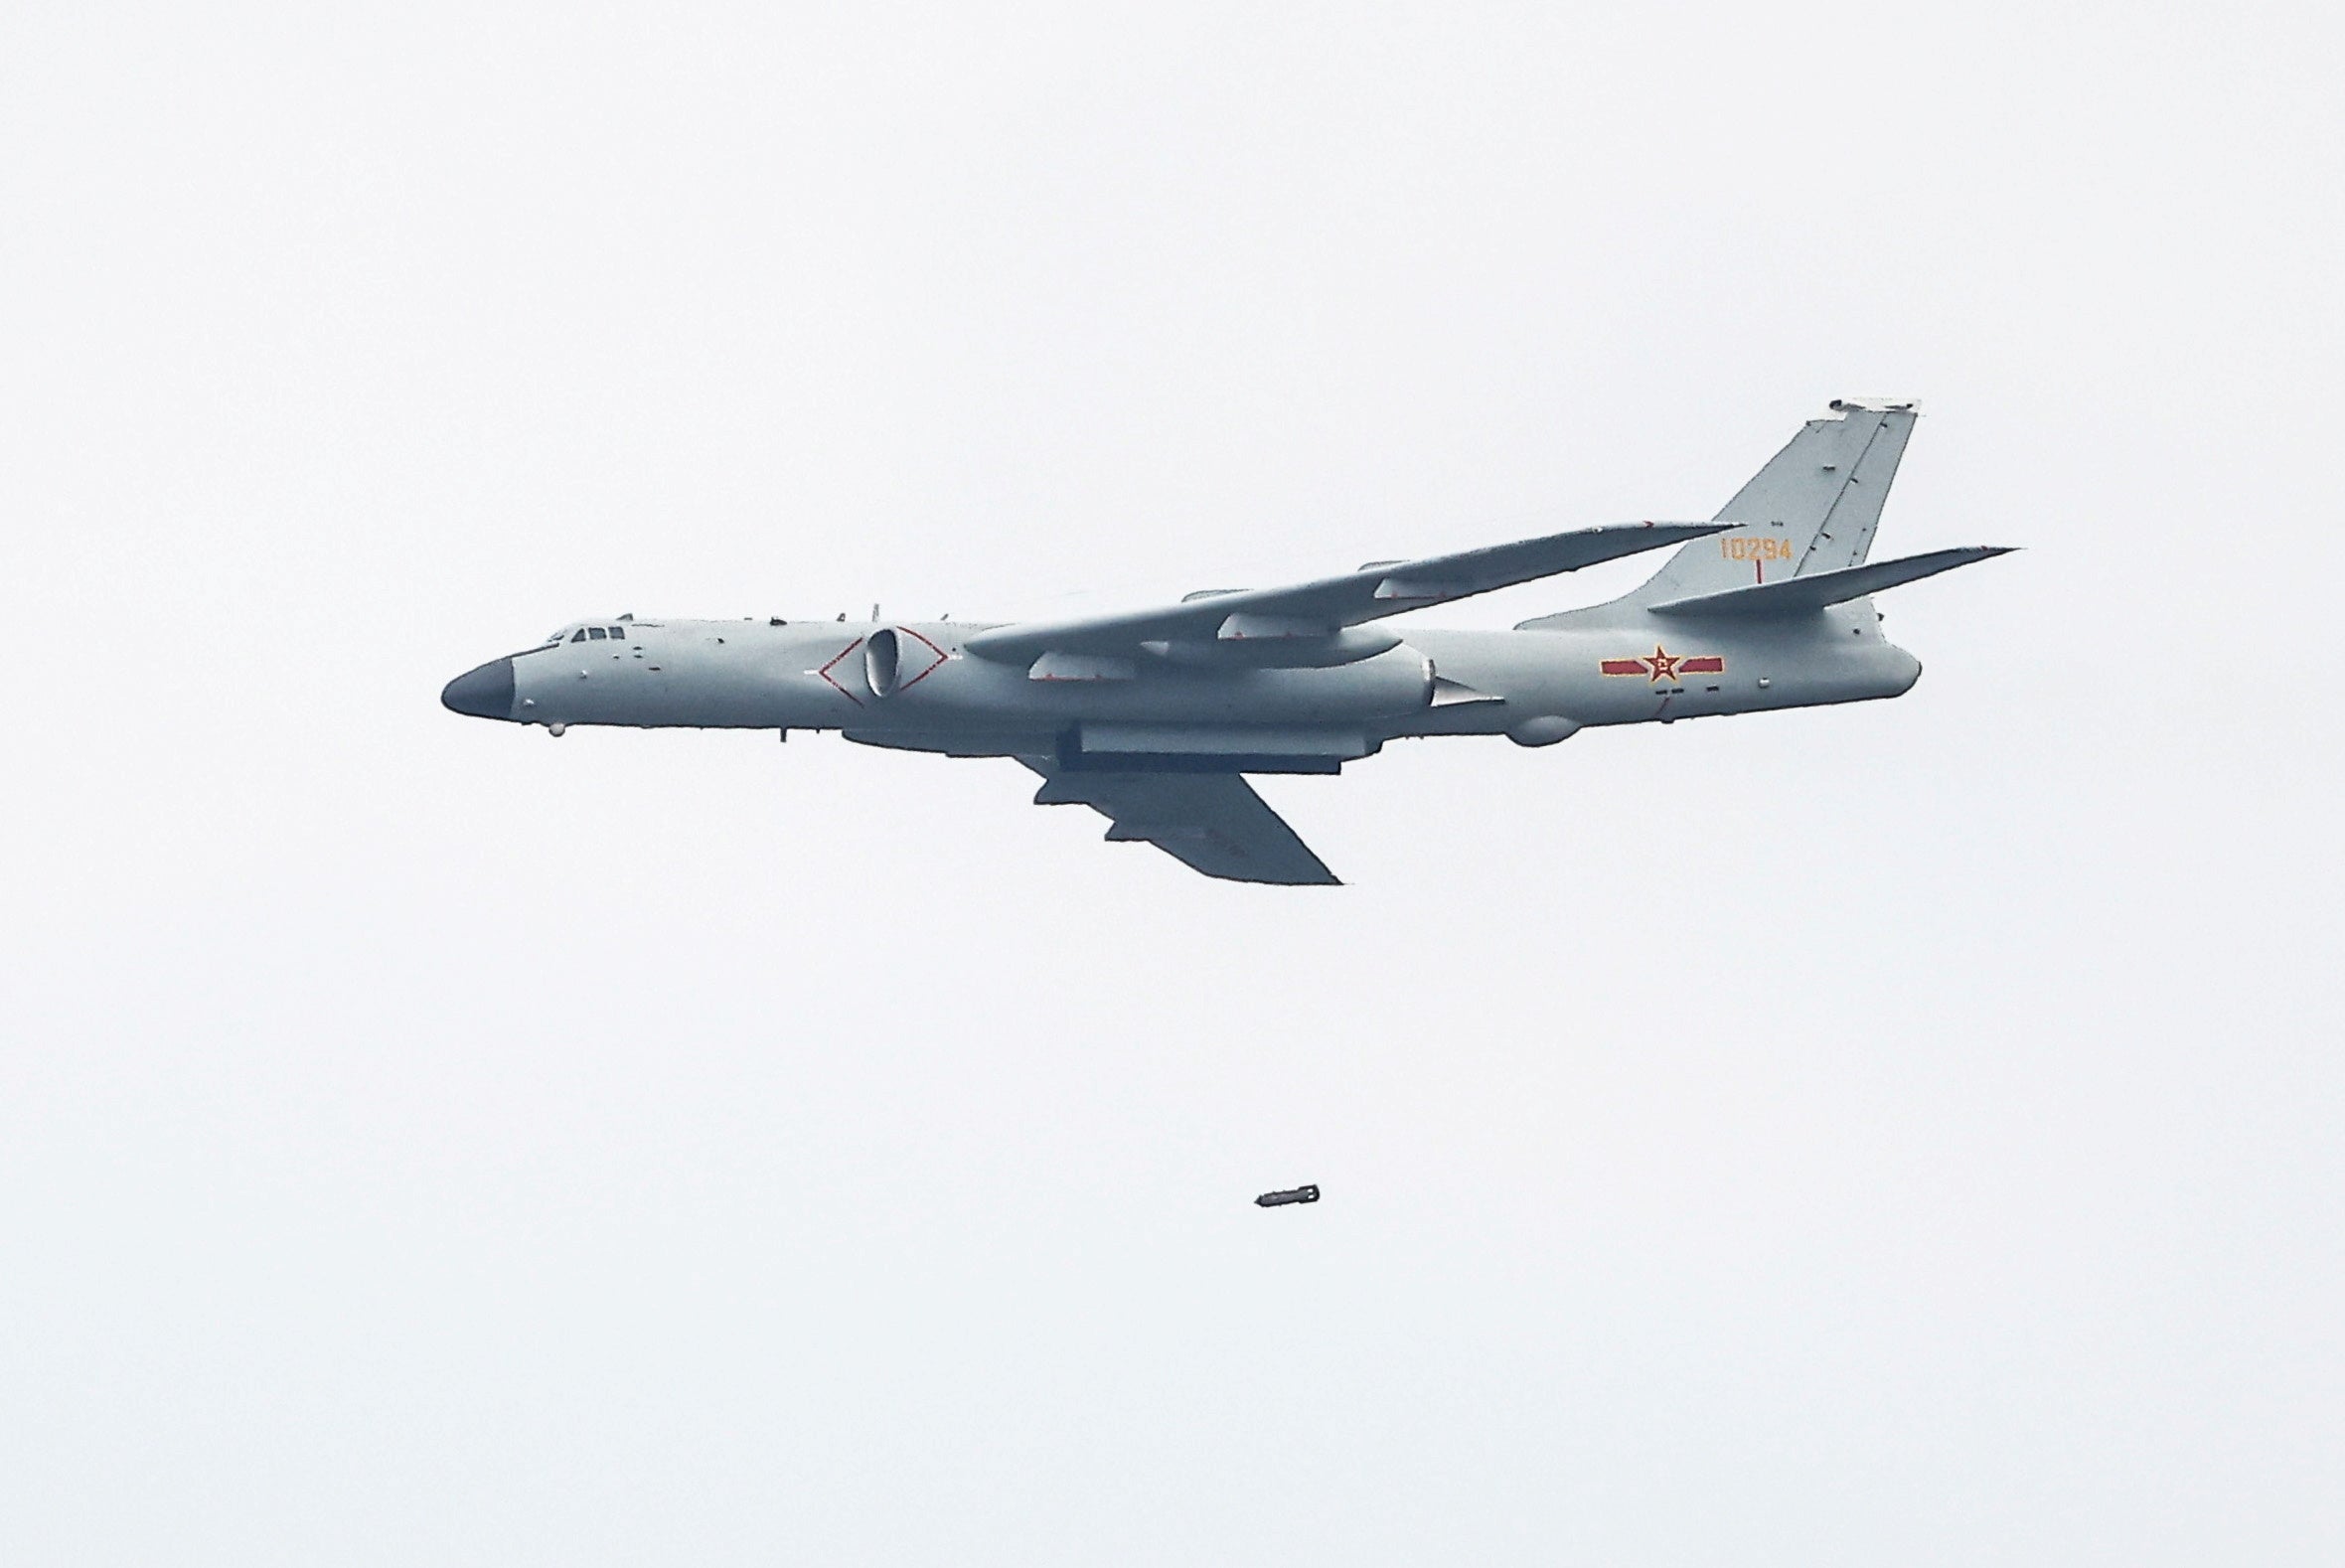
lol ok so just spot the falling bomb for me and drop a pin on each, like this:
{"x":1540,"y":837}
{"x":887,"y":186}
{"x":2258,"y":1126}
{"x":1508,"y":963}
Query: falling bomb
{"x":1300,"y":1195}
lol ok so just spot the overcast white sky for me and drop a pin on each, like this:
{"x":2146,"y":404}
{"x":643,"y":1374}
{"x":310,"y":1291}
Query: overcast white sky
{"x":1903,"y":1134}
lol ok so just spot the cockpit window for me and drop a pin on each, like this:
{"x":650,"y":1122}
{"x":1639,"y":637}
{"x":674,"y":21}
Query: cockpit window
{"x":579,"y":635}
{"x":597,"y":633}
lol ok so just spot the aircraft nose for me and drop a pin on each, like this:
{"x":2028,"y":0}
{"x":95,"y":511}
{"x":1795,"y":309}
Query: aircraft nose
{"x":485,"y":692}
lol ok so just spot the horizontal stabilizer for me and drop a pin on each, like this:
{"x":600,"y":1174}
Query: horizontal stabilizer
{"x":1811,"y":591}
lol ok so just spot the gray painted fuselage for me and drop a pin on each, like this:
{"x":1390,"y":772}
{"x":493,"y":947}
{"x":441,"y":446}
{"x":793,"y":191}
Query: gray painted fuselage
{"x":1152,"y":716}
{"x":813,"y":675}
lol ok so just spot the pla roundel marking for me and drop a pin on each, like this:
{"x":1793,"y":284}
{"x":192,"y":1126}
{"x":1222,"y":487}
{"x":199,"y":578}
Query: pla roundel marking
{"x":1662,"y":665}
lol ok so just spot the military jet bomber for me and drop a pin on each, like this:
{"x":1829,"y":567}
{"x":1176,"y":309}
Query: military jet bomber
{"x":1152,"y":717}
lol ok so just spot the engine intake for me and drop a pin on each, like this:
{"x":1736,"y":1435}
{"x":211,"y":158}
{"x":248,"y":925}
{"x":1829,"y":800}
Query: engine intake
{"x":883,"y":662}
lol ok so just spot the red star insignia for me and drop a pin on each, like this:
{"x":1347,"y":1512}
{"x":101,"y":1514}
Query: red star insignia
{"x":1662,"y":664}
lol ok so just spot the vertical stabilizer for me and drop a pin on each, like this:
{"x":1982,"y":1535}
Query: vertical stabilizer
{"x":1812,"y":509}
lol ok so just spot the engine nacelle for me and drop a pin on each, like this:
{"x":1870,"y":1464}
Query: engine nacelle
{"x":1389,"y":685}
{"x":1254,"y":649}
{"x":1061,"y":687}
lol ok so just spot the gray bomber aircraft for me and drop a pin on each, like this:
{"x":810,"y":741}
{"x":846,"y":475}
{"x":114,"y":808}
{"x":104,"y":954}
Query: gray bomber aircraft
{"x":1153,"y":717}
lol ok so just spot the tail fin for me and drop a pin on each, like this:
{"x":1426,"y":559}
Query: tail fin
{"x":1812,"y":509}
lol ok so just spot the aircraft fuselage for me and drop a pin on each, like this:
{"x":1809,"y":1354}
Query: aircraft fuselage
{"x":1152,"y":716}
{"x":932,"y":695}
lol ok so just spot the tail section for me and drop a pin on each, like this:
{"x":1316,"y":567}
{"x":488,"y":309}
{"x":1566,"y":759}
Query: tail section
{"x":1812,"y":509}
{"x":1776,"y":610}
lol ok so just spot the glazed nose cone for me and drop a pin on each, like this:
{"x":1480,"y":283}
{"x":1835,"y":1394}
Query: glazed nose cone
{"x":485,"y":692}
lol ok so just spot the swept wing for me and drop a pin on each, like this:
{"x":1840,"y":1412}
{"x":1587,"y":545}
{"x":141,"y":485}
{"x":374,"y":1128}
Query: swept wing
{"x":1316,"y":610}
{"x":1212,"y":822}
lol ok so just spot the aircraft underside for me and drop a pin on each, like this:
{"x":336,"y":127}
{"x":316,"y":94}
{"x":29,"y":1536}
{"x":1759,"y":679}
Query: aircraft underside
{"x":1152,"y":717}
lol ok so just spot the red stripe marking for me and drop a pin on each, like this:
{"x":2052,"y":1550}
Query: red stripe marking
{"x":824,"y":671}
{"x":941,"y":657}
{"x":1708,"y":664}
{"x":1624,"y":667}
